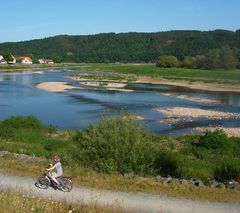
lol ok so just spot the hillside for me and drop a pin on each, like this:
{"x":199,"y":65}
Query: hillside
{"x":124,"y":47}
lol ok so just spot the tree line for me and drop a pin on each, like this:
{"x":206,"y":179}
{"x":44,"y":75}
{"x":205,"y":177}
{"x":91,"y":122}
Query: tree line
{"x":124,"y":47}
{"x":218,"y":58}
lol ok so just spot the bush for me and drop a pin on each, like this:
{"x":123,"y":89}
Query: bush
{"x":167,"y":164}
{"x":214,"y":140}
{"x":227,"y":170}
{"x":6,"y":132}
{"x":19,"y":122}
{"x":167,"y":61}
{"x":116,"y":145}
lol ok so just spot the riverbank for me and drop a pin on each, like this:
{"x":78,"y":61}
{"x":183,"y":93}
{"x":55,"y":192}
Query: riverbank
{"x":192,"y":85}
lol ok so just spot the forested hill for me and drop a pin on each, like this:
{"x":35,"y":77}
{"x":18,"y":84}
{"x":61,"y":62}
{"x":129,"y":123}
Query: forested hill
{"x":124,"y":47}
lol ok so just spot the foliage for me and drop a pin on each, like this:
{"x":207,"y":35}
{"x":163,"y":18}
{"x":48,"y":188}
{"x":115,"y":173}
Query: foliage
{"x":124,"y":47}
{"x":7,"y":57}
{"x":227,"y":170}
{"x":28,"y":122}
{"x":116,"y":145}
{"x":166,"y":164}
{"x":167,"y":61}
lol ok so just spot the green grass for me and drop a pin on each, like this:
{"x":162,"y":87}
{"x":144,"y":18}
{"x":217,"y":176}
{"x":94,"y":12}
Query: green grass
{"x":150,"y":70}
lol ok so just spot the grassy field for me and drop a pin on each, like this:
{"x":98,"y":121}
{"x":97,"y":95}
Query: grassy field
{"x":150,"y":70}
{"x":29,"y":204}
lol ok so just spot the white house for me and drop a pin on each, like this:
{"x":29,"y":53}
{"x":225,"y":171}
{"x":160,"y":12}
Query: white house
{"x":25,"y":60}
{"x":2,"y":61}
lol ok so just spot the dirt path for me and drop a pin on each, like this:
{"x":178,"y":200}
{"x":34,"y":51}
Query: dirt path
{"x":129,"y":202}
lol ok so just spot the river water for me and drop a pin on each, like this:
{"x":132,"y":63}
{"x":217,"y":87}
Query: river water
{"x":78,"y":108}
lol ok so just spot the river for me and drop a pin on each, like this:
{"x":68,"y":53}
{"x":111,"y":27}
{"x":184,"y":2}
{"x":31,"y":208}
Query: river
{"x":78,"y":108}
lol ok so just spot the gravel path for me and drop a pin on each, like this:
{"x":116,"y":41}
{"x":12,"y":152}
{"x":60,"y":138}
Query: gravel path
{"x":129,"y":202}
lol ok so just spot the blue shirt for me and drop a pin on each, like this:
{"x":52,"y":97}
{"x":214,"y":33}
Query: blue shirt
{"x":58,"y":167}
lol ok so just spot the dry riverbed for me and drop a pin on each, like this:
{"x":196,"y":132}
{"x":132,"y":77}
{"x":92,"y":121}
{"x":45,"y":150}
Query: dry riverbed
{"x":176,"y":114}
{"x":55,"y":86}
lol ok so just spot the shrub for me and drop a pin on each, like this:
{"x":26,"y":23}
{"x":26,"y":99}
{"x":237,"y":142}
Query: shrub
{"x":116,"y":145}
{"x":214,"y":140}
{"x":167,"y":61}
{"x":19,"y":122}
{"x":167,"y":164}
{"x":6,"y":132}
{"x":227,"y":170}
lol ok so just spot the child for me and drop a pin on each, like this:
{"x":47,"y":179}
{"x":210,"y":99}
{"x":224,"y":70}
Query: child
{"x":58,"y":168}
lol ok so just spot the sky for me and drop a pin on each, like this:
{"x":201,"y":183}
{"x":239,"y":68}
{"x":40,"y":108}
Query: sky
{"x":33,"y":19}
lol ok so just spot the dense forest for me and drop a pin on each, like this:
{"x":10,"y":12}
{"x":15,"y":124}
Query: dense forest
{"x":124,"y":47}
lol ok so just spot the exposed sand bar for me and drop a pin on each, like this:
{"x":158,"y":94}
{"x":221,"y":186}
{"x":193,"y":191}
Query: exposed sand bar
{"x":235,"y":132}
{"x":179,"y":112}
{"x":191,"y":98}
{"x":193,"y":85}
{"x":55,"y":86}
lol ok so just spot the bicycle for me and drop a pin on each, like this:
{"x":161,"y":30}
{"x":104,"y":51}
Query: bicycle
{"x":45,"y":181}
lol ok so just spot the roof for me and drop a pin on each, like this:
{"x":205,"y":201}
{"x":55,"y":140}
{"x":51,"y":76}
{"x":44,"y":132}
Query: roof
{"x":25,"y":57}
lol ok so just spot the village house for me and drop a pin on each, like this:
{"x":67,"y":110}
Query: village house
{"x":2,"y":61}
{"x":45,"y":61}
{"x":25,"y":60}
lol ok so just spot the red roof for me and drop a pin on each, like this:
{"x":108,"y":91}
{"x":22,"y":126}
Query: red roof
{"x":25,"y":58}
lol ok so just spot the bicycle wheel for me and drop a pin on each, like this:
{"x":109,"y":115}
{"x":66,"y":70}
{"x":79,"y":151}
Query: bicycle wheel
{"x":66,"y":185}
{"x":43,"y":182}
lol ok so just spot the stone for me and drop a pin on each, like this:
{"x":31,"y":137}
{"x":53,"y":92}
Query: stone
{"x":184,"y":182}
{"x":199,"y":183}
{"x":221,"y":186}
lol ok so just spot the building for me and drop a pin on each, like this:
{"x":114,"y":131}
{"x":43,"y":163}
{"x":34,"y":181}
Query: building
{"x":45,"y":61}
{"x":25,"y":60}
{"x":2,"y":61}
{"x":13,"y":60}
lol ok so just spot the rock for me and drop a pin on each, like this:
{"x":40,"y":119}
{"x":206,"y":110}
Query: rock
{"x":4,"y":153}
{"x":233,"y":185}
{"x":221,"y":186}
{"x":212,"y":183}
{"x":199,"y":183}
{"x":175,"y":181}
{"x":167,"y":179}
{"x":159,"y":178}
{"x":129,"y":175}
{"x":184,"y":182}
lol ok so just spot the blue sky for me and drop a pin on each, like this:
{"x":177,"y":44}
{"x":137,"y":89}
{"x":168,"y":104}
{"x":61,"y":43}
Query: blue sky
{"x":30,"y":19}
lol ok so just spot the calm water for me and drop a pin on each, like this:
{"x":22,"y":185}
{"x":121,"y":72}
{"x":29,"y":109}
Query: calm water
{"x":76,"y":109}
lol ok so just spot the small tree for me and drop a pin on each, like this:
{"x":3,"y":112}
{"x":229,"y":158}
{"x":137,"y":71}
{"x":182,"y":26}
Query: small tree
{"x":167,"y":61}
{"x":8,"y":57}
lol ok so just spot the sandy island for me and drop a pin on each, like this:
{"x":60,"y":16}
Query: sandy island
{"x":191,"y":98}
{"x":176,"y":114}
{"x":195,"y":113}
{"x":55,"y":86}
{"x":192,"y":85}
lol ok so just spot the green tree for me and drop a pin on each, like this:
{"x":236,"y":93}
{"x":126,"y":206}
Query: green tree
{"x":189,"y":62}
{"x":8,"y":57}
{"x":167,"y":61}
{"x":228,"y":59}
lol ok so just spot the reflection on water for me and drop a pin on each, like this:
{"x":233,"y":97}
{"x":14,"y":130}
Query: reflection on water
{"x":78,"y":108}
